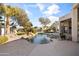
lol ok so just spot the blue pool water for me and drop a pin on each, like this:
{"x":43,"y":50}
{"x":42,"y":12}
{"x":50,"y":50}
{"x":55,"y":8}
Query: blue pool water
{"x":40,"y":39}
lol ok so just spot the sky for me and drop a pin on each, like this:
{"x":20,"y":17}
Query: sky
{"x":49,"y":10}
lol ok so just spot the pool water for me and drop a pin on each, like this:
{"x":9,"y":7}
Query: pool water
{"x":40,"y":39}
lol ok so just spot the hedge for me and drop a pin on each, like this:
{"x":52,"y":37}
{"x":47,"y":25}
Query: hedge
{"x":3,"y":39}
{"x":20,"y":33}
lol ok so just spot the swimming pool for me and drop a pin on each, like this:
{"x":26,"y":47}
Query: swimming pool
{"x":40,"y":39}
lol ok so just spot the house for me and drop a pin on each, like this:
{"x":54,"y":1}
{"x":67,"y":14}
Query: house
{"x":69,"y":24}
{"x":2,"y":25}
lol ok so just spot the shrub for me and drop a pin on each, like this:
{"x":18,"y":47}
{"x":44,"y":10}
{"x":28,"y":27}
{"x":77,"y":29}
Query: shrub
{"x":20,"y":33}
{"x":33,"y":30}
{"x":3,"y":39}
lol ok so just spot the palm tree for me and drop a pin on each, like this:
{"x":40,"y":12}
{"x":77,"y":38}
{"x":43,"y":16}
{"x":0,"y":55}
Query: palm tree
{"x":0,"y":28}
{"x":10,"y":12}
{"x":19,"y":14}
{"x":6,"y":12}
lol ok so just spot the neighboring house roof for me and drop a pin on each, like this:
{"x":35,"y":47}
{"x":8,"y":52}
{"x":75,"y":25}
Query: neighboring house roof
{"x":20,"y":27}
{"x":68,"y":16}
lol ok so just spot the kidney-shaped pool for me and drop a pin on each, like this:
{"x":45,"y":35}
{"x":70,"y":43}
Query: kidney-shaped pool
{"x":40,"y":39}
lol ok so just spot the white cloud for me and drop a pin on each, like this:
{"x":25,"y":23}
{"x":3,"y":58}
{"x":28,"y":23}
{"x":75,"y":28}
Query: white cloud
{"x":40,"y":6}
{"x":53,"y":18}
{"x":53,"y":9}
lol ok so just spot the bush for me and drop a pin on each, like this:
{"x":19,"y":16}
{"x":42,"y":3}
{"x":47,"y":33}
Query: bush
{"x":20,"y":33}
{"x":3,"y":39}
{"x":33,"y":30}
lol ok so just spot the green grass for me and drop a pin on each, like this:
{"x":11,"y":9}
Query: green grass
{"x":20,"y":33}
{"x":3,"y":39}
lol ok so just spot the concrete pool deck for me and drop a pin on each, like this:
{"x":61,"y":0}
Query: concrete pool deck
{"x":56,"y":48}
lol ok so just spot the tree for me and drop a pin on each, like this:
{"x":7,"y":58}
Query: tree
{"x":10,"y":12}
{"x":35,"y":27}
{"x":15,"y":12}
{"x":7,"y":18}
{"x":2,"y":9}
{"x":22,"y":17}
{"x":44,"y":21}
{"x":19,"y":14}
{"x":23,"y":20}
{"x":0,"y":28}
{"x":1,"y":13}
{"x":27,"y":27}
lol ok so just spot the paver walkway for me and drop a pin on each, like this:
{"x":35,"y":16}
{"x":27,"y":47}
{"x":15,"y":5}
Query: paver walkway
{"x":16,"y":48}
{"x":56,"y":48}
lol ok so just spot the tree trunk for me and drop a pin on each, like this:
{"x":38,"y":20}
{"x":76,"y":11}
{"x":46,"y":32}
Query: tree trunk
{"x":0,"y":28}
{"x":7,"y":25}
